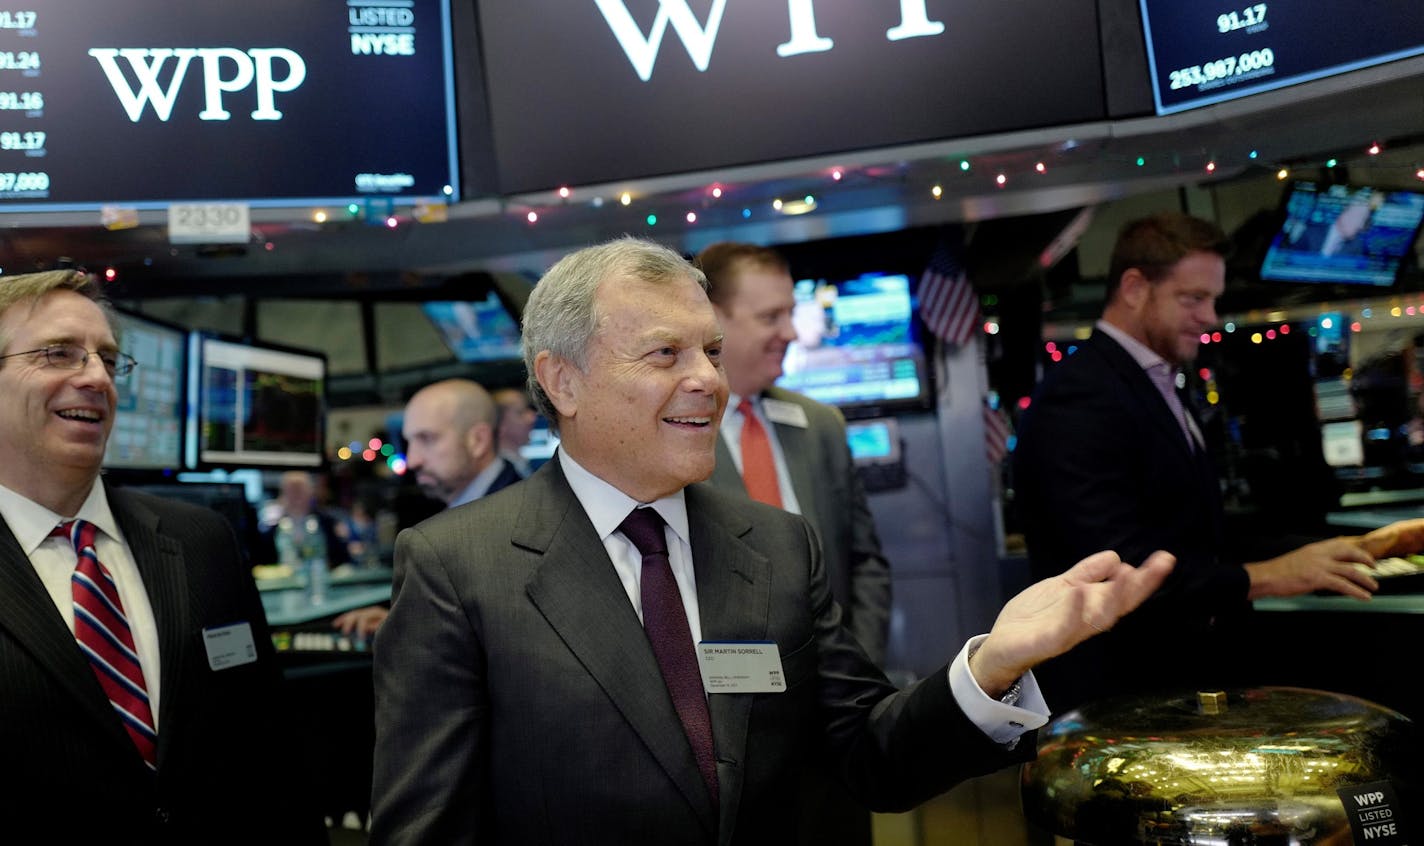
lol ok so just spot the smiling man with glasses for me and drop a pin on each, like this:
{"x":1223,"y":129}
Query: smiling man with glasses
{"x":136,"y":669}
{"x":75,"y":357}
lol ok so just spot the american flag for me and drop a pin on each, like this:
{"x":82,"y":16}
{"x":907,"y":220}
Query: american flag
{"x":996,"y":433}
{"x":948,"y":304}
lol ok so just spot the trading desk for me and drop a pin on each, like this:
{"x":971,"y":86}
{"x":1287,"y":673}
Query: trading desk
{"x":287,"y":603}
{"x":329,"y":686}
{"x":1344,"y":645}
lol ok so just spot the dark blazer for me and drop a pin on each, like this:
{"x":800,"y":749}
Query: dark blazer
{"x":1101,"y":463}
{"x":508,"y":476}
{"x":224,"y":769}
{"x":518,"y":700}
{"x":832,"y":498}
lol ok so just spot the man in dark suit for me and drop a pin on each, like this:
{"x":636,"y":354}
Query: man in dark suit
{"x":138,"y":687}
{"x":1110,"y":457}
{"x":450,"y":449}
{"x":753,"y":295}
{"x":808,"y":467}
{"x":538,"y":679}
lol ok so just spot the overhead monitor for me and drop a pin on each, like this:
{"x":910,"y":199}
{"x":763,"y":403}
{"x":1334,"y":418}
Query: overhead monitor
{"x":857,"y":345}
{"x":478,"y":330}
{"x":148,"y":429}
{"x":255,"y":405}
{"x":143,"y":103}
{"x":1201,"y":54}
{"x":1343,"y":234}
{"x":596,"y":92}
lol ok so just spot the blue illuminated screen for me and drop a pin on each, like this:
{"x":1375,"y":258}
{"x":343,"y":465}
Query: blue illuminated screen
{"x":856,"y":343}
{"x":478,"y":330}
{"x":1344,"y":234}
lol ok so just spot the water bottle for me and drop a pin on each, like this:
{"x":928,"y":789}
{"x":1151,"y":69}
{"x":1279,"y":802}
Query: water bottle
{"x":314,"y":556}
{"x":286,"y":543}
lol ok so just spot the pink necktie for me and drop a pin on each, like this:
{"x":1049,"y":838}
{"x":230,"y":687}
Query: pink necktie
{"x":665,"y":622}
{"x":103,"y":634}
{"x":758,"y":466}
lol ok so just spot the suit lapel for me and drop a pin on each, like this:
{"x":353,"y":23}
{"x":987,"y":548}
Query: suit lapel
{"x":32,"y":620}
{"x":1146,"y":394}
{"x":796,"y":449}
{"x":724,"y":473}
{"x":159,"y":559}
{"x":577,"y":590}
{"x":733,"y":598}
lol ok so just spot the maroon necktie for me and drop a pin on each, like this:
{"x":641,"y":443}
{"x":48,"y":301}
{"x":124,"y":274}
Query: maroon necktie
{"x":103,"y":633}
{"x":665,"y":621}
{"x":758,"y":466}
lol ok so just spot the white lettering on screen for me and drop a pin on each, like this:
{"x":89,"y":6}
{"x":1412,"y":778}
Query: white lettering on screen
{"x":253,"y":65}
{"x":642,"y":50}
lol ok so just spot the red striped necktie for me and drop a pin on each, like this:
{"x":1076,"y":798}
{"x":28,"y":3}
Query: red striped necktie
{"x":103,"y":633}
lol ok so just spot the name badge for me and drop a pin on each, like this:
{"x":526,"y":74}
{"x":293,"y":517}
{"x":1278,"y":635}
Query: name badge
{"x":740,"y":667}
{"x":229,"y":646}
{"x":785,"y":413}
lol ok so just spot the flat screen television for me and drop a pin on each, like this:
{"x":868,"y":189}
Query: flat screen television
{"x":477,"y":330}
{"x":1343,"y":234}
{"x":1201,"y":54}
{"x":269,"y":102}
{"x":254,"y":405}
{"x":858,"y":345}
{"x":148,"y":429}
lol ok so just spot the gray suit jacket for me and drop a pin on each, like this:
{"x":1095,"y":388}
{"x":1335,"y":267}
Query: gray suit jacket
{"x":518,"y":700}
{"x":221,"y":739}
{"x":833,"y":500}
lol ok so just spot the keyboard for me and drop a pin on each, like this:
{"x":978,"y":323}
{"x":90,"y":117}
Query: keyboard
{"x":1398,"y":575}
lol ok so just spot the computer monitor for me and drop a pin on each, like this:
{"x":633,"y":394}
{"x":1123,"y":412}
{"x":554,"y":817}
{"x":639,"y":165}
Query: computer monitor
{"x":148,"y":429}
{"x":858,"y":345}
{"x":1344,"y":234}
{"x":255,"y":405}
{"x":476,"y":330}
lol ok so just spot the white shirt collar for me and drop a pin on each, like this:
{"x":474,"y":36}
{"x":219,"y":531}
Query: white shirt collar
{"x":31,"y":522}
{"x":606,"y":506}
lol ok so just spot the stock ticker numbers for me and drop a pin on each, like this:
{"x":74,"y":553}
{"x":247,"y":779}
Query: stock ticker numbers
{"x":21,"y":104}
{"x":1204,"y":53}
{"x":1230,"y":70}
{"x":1225,"y":71}
{"x":1251,"y":19}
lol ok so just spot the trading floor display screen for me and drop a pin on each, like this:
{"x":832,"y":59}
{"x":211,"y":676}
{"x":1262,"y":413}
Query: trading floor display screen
{"x":143,"y":103}
{"x":1204,"y":53}
{"x":256,"y":406}
{"x":148,"y":429}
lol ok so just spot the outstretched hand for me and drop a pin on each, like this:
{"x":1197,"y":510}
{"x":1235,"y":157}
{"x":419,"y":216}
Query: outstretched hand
{"x":1052,"y":616}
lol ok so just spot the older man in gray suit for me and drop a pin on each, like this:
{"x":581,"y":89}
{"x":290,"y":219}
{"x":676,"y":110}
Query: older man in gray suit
{"x":611,"y":653}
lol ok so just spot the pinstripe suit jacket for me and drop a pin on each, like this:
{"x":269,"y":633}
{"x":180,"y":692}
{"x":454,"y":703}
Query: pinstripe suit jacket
{"x":224,"y":764}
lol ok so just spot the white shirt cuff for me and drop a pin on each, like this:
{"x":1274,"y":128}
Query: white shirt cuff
{"x":1001,"y":723}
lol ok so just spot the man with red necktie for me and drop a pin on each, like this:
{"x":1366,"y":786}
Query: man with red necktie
{"x":790,"y":451}
{"x":138,"y":689}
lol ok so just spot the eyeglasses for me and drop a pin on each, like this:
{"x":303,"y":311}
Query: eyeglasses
{"x":75,"y":357}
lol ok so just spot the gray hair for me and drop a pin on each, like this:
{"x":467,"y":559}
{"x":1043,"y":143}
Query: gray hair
{"x":561,"y":315}
{"x":30,"y":288}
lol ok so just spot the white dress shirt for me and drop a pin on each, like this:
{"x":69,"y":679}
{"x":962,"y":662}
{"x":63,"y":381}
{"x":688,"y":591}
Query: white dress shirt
{"x":607,"y":506}
{"x":54,"y":561}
